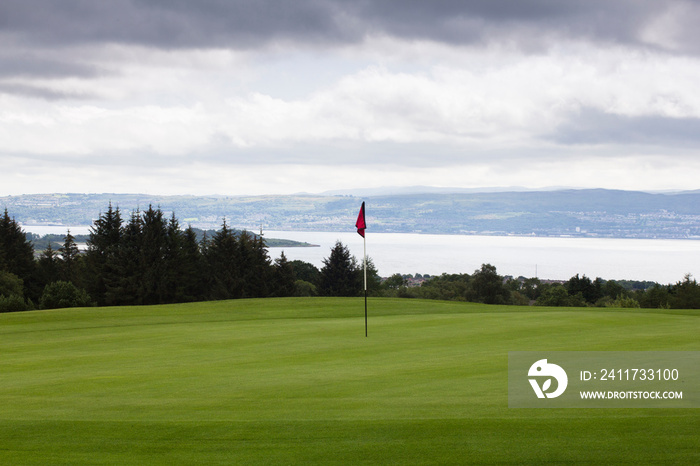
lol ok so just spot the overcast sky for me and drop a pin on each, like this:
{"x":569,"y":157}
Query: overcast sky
{"x":264,"y":96}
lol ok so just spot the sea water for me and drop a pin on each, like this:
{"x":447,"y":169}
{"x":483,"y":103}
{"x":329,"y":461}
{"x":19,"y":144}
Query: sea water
{"x":660,"y":260}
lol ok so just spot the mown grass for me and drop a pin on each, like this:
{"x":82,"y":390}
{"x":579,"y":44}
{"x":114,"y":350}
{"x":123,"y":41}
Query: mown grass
{"x":280,"y":381}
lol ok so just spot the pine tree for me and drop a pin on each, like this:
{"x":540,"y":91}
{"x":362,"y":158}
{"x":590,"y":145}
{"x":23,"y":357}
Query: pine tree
{"x":263,"y":267}
{"x":48,"y":266}
{"x":254,"y":266}
{"x":17,"y":255}
{"x":222,"y":255}
{"x":192,"y":263}
{"x":153,"y":267}
{"x":103,"y":246}
{"x":339,"y":276}
{"x":124,"y":273}
{"x":69,"y":255}
{"x":283,"y":277}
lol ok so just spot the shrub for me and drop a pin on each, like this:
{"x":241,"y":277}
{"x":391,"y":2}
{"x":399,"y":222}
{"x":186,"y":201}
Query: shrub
{"x":623,"y":301}
{"x":304,"y":288}
{"x":10,"y":284}
{"x":558,"y":296}
{"x":64,"y":294}
{"x":13,"y":303}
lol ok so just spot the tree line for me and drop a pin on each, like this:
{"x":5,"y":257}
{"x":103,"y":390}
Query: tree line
{"x":485,"y":285}
{"x":150,"y":259}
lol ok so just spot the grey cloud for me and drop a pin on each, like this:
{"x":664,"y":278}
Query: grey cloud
{"x":167,"y":24}
{"x":245,"y":23}
{"x":595,"y":127}
{"x":28,"y":65}
{"x":39,"y":92}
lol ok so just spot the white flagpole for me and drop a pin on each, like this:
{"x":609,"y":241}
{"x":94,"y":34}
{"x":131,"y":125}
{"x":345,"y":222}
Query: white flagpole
{"x":365,"y":262}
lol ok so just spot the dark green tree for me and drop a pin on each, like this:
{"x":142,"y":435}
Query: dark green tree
{"x":613,"y":289}
{"x":254,"y":266}
{"x":48,"y":266}
{"x":17,"y":255}
{"x":124,"y":278}
{"x":656,"y":297}
{"x":306,"y":272}
{"x":339,"y":275}
{"x":445,"y":286}
{"x":156,"y":278}
{"x":487,"y":287}
{"x":557,"y":295}
{"x":174,"y":280}
{"x":284,"y":277}
{"x":686,"y":294}
{"x":193,"y":267}
{"x":531,"y":288}
{"x":69,"y":259}
{"x":222,"y":256}
{"x":103,"y":247}
{"x":584,"y":286}
{"x":395,"y":282}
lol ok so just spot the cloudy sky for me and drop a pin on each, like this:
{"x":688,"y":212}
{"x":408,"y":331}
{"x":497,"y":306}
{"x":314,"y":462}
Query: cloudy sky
{"x":264,"y":96}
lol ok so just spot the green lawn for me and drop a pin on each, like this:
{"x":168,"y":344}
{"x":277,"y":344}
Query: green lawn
{"x":282,"y":381}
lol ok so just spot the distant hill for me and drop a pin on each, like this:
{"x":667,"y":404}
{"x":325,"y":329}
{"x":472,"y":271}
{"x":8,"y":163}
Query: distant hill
{"x":564,"y":212}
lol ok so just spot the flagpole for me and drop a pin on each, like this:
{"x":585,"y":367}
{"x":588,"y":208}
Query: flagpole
{"x":365,"y":262}
{"x":361,"y":225}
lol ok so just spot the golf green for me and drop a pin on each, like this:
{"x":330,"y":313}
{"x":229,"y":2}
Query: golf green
{"x":295,"y":381}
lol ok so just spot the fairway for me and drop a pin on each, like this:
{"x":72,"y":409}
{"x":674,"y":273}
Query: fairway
{"x":295,"y":381}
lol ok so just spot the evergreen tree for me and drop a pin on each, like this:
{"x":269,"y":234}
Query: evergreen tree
{"x":222,"y":255}
{"x":69,"y":255}
{"x":124,"y":280}
{"x":254,"y":266}
{"x":103,"y":246}
{"x":17,"y":255}
{"x":152,"y":253}
{"x":583,"y":285}
{"x":193,"y":267}
{"x":174,"y":273}
{"x":339,"y":275}
{"x":283,"y":277}
{"x":686,"y":294}
{"x":48,"y":266}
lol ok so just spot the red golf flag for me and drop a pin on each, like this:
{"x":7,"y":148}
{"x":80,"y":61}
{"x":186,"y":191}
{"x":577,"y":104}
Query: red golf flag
{"x":360,"y":224}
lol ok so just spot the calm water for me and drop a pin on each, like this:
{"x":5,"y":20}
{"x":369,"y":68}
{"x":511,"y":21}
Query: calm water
{"x":664,"y":261}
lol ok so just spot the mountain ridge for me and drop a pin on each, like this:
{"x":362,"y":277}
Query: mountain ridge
{"x":557,"y":212}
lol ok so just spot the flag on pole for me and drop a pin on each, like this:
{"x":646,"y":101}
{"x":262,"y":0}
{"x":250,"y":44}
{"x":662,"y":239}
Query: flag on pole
{"x":361,"y":224}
